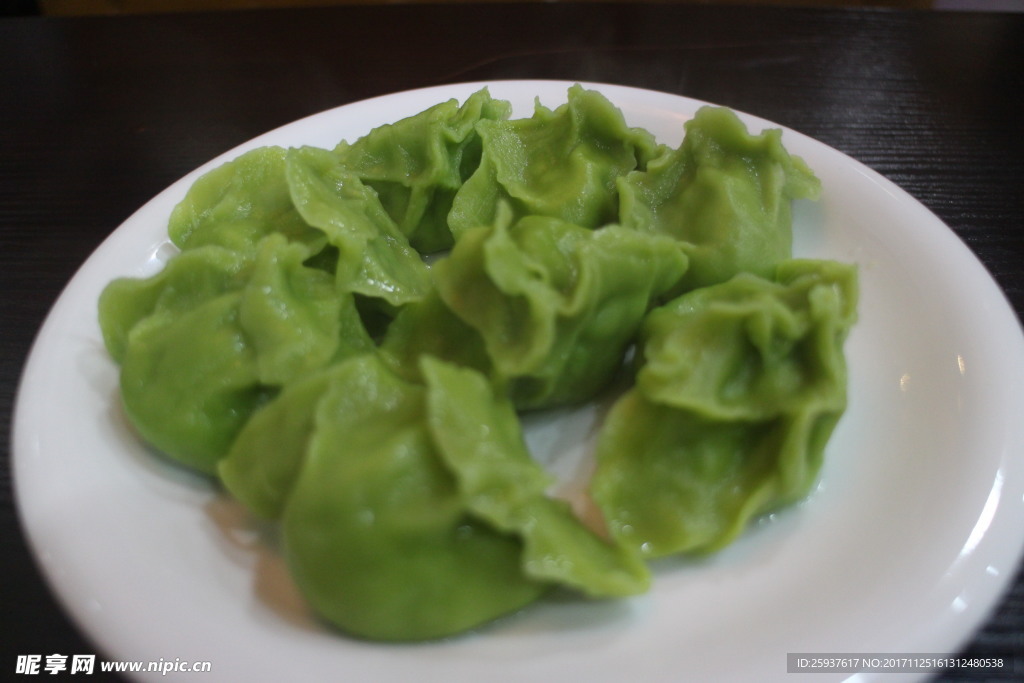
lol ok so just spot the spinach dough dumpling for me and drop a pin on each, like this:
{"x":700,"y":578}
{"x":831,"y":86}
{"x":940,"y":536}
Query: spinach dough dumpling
{"x":552,"y":305}
{"x":415,"y":511}
{"x":740,"y":388}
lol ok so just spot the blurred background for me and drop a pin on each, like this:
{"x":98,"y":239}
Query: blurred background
{"x":81,"y":7}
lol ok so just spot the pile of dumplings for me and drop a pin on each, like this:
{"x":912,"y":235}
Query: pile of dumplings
{"x":348,"y":338}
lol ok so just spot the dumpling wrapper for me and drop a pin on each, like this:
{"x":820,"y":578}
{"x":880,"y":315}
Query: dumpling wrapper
{"x":725,"y":193}
{"x":479,"y":437}
{"x":374,"y":256}
{"x":212,"y":336}
{"x":560,"y":163}
{"x":743,"y":383}
{"x":375,"y":529}
{"x":240,"y":202}
{"x":417,"y":164}
{"x":554,"y":305}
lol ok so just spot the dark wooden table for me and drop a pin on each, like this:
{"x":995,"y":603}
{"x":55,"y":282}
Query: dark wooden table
{"x":97,"y":115}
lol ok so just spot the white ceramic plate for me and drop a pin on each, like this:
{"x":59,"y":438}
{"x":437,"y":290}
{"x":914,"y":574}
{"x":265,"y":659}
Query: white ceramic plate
{"x":905,"y":546}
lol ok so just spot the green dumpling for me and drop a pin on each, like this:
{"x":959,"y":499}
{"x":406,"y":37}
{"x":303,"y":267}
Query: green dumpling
{"x":725,"y":193}
{"x":374,"y":257}
{"x":560,"y":163}
{"x":375,"y":529}
{"x":190,"y":384}
{"x":186,"y":281}
{"x":479,"y":437}
{"x":741,"y":386}
{"x":417,"y":164}
{"x":212,"y":336}
{"x":239,"y":203}
{"x":556,"y":305}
